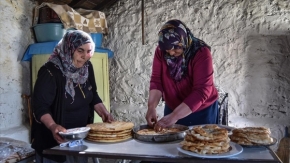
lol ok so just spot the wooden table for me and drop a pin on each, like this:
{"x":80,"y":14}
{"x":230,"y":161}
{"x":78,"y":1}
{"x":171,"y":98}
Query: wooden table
{"x":166,"y":152}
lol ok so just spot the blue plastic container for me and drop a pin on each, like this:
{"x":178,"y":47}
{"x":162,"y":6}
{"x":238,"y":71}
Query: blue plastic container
{"x":49,"y":32}
{"x":98,"y":39}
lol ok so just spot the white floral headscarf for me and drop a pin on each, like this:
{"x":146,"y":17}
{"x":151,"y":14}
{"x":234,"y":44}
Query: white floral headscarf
{"x":62,"y":56}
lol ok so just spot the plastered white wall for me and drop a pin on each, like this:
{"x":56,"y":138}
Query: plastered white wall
{"x":15,"y":32}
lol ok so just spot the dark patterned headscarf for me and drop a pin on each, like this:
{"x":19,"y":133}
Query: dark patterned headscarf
{"x":175,"y":35}
{"x":62,"y":56}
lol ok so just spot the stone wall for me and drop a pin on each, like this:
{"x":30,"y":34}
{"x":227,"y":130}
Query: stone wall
{"x":250,"y":48}
{"x":250,"y":43}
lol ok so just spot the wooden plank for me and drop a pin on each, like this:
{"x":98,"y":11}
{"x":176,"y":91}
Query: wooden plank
{"x":283,"y":151}
{"x":143,"y":35}
{"x":287,"y":131}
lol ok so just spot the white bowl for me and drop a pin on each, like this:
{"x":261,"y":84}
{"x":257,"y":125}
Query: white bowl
{"x":75,"y":133}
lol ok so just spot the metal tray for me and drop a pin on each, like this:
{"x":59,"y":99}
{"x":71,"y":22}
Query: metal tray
{"x":160,"y":138}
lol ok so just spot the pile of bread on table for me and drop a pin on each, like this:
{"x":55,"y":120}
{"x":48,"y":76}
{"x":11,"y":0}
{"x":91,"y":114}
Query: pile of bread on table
{"x":201,"y":139}
{"x":212,"y":139}
{"x":110,"y":132}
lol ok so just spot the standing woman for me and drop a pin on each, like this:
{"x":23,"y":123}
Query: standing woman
{"x":65,"y":95}
{"x":182,"y":74}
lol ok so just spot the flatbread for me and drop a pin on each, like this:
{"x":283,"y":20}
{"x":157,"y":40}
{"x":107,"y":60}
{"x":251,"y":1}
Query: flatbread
{"x":109,"y":135}
{"x":110,"y":132}
{"x":252,"y":136}
{"x":253,"y":130}
{"x":208,"y":133}
{"x":251,"y":139}
{"x":113,"y":126}
{"x":208,"y":139}
{"x":199,"y":143}
{"x":151,"y":131}
{"x":240,"y":140}
{"x":206,"y":150}
{"x":117,"y":139}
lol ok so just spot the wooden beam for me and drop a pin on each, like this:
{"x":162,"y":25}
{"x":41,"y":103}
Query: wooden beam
{"x":143,"y":39}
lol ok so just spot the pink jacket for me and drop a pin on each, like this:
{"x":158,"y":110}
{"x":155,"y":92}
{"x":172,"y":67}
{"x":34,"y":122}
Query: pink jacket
{"x":196,"y":90}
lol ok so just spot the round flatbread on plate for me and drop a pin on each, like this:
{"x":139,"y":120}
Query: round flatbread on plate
{"x":235,"y":149}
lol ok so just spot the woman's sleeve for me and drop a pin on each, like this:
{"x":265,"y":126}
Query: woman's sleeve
{"x":96,"y":97}
{"x":44,"y":93}
{"x":155,"y":81}
{"x":202,"y":69}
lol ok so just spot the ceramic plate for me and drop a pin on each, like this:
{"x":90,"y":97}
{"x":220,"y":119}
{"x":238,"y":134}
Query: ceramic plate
{"x":75,"y":130}
{"x":234,"y":150}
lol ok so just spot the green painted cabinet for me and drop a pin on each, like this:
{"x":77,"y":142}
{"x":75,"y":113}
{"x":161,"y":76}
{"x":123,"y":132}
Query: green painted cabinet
{"x":101,"y":70}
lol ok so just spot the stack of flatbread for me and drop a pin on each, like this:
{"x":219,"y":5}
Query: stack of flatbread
{"x":207,"y":139}
{"x":110,"y":132}
{"x":252,"y":136}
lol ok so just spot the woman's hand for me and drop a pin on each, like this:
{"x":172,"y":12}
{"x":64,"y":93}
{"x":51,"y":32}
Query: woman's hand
{"x":55,"y":129}
{"x":47,"y":120}
{"x":179,"y":112}
{"x":154,"y":98}
{"x":103,"y":112}
{"x":151,"y":117}
{"x":165,"y":122}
